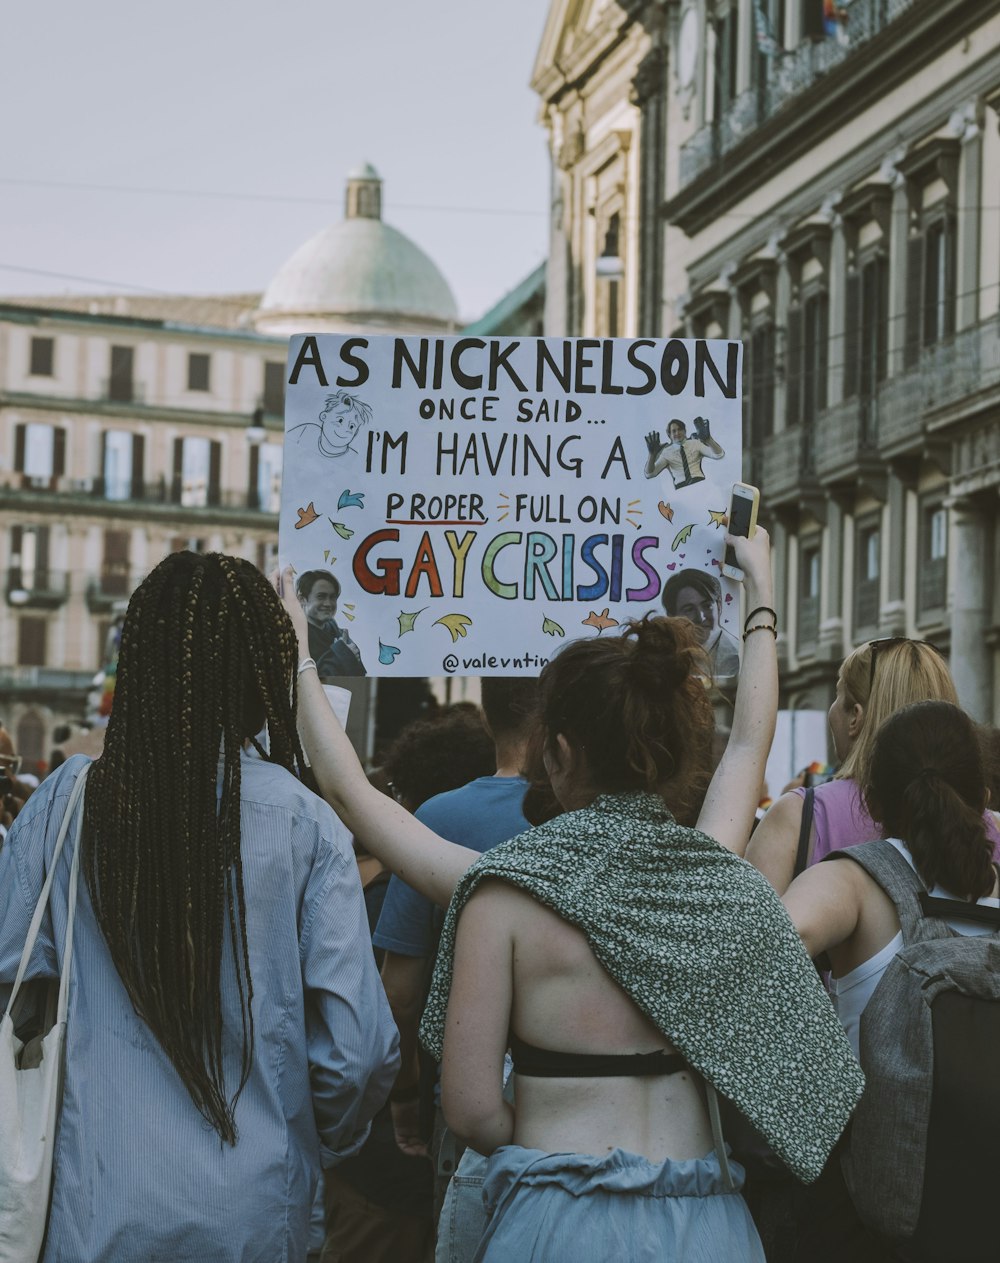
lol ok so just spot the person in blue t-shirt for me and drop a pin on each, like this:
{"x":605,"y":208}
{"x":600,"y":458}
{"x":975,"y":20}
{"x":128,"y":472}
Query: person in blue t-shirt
{"x":481,"y":814}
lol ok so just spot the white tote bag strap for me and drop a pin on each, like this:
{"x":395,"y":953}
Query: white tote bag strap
{"x":75,"y":799}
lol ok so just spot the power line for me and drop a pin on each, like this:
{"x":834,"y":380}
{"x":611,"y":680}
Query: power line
{"x":262,"y":197}
{"x":86,"y":280}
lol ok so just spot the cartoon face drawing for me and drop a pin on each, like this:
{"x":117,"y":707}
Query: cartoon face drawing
{"x":340,"y":420}
{"x":342,"y":416}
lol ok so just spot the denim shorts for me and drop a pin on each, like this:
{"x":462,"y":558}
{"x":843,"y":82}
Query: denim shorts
{"x":577,"y":1208}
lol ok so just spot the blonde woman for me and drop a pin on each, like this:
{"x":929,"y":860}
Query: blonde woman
{"x":875,"y":681}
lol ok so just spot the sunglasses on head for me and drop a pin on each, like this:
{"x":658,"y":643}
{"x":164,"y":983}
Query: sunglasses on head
{"x":890,"y":642}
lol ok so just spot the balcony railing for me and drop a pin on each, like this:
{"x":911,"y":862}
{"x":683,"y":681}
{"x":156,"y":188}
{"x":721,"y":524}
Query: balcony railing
{"x":845,"y":435}
{"x":37,"y":588}
{"x":855,"y":437}
{"x":782,"y":462}
{"x":44,"y":679}
{"x":157,"y":491}
{"x":788,"y":76}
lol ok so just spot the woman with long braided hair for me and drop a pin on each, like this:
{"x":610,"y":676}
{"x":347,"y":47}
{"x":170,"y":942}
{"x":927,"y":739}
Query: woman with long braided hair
{"x":226,"y":1026}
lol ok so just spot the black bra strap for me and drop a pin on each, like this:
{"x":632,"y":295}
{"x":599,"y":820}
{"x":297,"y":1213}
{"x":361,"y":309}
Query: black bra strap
{"x":546,"y":1063}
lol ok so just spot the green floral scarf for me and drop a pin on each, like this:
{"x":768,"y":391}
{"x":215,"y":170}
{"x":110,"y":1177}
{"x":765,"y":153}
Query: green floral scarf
{"x":702,"y":944}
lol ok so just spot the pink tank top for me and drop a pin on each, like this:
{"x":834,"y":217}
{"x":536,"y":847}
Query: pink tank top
{"x":840,"y":820}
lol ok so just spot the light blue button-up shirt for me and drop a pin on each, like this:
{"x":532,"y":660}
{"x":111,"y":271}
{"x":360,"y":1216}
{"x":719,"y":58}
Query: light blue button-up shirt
{"x":139,"y":1174}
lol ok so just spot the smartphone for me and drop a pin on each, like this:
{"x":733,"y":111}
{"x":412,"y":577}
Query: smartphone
{"x":742,"y":521}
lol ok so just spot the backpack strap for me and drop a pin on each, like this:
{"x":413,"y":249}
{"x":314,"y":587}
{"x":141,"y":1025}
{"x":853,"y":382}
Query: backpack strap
{"x":959,"y":910}
{"x":884,"y":864}
{"x":805,"y":829}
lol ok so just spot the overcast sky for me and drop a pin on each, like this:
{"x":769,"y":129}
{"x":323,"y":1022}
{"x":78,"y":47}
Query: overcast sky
{"x":265,"y":100}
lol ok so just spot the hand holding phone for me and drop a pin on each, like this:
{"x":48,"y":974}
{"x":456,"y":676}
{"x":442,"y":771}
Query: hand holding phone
{"x":743,"y":505}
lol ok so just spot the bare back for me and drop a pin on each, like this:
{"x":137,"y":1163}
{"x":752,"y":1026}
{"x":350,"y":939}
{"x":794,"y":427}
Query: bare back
{"x":563,"y":999}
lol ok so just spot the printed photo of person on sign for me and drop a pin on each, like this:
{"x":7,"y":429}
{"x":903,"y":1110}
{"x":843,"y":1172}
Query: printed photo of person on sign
{"x":682,"y":456}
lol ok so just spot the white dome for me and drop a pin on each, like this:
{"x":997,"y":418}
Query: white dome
{"x":358,"y":275}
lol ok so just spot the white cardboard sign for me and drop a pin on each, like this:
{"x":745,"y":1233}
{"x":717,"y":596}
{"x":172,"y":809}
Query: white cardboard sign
{"x":480,"y":501}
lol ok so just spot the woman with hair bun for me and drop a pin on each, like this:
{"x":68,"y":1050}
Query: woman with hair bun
{"x":875,"y":681}
{"x":633,"y":965}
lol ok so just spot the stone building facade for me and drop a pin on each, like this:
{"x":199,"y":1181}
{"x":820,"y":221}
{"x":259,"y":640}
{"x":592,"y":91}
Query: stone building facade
{"x":131,"y":427}
{"x":830,"y":180}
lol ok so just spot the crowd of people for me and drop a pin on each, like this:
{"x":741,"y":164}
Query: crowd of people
{"x":615,"y":1020}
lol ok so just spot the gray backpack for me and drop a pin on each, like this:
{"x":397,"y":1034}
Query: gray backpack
{"x":922,"y":1162}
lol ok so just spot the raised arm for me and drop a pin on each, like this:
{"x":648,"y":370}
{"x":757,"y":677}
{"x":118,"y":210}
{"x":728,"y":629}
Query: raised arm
{"x":412,"y":851}
{"x":733,"y":795}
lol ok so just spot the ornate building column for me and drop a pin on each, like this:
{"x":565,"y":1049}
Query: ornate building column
{"x":970,"y":607}
{"x":782,"y":586}
{"x":830,"y":643}
{"x":899,"y":229}
{"x":838,"y":308}
{"x":649,"y":94}
{"x":970,"y":186}
{"x":892,"y":615}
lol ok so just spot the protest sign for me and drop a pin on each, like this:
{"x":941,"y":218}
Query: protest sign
{"x":470,"y":504}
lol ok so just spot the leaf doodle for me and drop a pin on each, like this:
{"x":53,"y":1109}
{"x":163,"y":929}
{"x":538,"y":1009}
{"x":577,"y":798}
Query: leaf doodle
{"x":343,"y":531}
{"x":600,"y":621}
{"x":457,"y":624}
{"x":307,"y":516}
{"x":351,"y":500}
{"x":551,"y":628}
{"x":387,"y":654}
{"x":682,"y":536}
{"x":717,"y":517}
{"x":406,"y":621}
{"x":666,"y":511}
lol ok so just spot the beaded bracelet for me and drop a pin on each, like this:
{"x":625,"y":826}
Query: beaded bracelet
{"x":761,"y":627}
{"x":307,"y":664}
{"x":761,"y":609}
